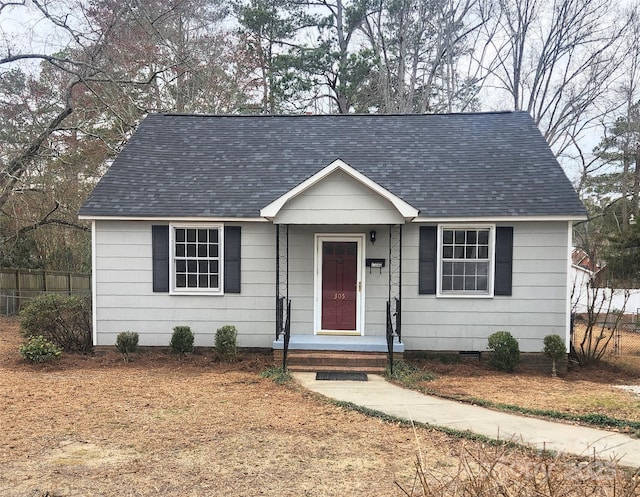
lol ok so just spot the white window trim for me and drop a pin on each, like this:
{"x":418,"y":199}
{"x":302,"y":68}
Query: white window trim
{"x":457,"y":294}
{"x":172,"y":271}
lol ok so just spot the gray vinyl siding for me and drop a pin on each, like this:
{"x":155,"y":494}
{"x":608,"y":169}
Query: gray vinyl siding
{"x":537,"y":307}
{"x":125,"y":300}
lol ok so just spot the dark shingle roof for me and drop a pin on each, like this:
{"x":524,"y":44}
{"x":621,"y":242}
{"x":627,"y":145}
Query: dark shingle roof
{"x":455,"y":165}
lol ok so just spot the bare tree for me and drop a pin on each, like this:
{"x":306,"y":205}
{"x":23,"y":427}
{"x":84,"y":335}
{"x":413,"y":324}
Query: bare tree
{"x":557,"y":60}
{"x":598,"y":325}
{"x":68,"y":108}
{"x":78,"y":60}
{"x":421,"y":48}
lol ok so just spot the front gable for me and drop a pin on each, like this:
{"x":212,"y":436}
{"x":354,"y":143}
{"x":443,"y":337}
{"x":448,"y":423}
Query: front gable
{"x":339,"y":194}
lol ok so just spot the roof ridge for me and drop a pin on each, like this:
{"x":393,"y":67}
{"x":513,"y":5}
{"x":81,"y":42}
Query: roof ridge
{"x":470,"y":114}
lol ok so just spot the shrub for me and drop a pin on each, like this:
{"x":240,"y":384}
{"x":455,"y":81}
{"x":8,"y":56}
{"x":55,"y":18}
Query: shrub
{"x":226,"y":343}
{"x":61,"y":319}
{"x":182,"y":340}
{"x":39,"y":349}
{"x":127,"y":343}
{"x":505,"y":351}
{"x":555,"y":349}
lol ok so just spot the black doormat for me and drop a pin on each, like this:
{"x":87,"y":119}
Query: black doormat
{"x":341,"y":376}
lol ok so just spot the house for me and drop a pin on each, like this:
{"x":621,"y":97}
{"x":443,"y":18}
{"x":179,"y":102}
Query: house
{"x":590,"y":289}
{"x":433,"y":230}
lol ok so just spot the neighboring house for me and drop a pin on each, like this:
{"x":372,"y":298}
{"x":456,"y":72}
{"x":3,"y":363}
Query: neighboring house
{"x":460,"y":224}
{"x":585,"y":273}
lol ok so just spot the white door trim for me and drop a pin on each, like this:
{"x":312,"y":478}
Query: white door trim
{"x":360,"y":239}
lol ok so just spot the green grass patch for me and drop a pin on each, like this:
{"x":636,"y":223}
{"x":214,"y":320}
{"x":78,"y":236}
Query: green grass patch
{"x":277,"y":374}
{"x":408,"y":374}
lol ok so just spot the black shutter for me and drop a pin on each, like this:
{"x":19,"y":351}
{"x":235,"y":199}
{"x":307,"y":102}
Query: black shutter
{"x":427,"y":260}
{"x":160,"y":254}
{"x":232,"y":259}
{"x":504,"y":260}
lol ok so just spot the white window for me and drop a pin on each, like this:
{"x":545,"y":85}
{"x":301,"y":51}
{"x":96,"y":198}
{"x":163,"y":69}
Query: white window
{"x":196,"y":258}
{"x":465,"y":262}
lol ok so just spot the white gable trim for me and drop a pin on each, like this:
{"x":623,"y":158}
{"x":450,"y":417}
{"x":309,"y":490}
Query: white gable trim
{"x":271,"y":211}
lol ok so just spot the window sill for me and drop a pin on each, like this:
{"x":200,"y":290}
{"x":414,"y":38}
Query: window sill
{"x":464,"y":295}
{"x":191,"y":293}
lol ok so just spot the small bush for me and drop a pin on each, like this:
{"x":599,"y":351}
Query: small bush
{"x":61,"y":319}
{"x":505,"y":351}
{"x":555,"y":349}
{"x":39,"y":349}
{"x":127,"y":343}
{"x":226,"y":343}
{"x":182,"y":340}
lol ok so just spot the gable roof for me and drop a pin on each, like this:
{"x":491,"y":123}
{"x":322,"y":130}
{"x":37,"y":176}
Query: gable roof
{"x":405,"y":210}
{"x":446,"y":166}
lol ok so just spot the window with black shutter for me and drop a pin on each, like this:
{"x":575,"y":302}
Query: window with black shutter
{"x":160,"y":251}
{"x":457,"y":260}
{"x":504,"y":260}
{"x":427,"y":260}
{"x":194,"y":259}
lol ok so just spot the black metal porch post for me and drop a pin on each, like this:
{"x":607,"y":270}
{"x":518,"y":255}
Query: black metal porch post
{"x":278,"y":314}
{"x":399,"y":303}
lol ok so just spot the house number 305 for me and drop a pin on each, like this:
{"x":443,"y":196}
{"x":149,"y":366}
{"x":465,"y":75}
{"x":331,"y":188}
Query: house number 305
{"x":338,"y":296}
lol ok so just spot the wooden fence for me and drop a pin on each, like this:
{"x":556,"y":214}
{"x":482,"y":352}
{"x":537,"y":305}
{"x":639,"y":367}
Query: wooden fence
{"x":17,"y":286}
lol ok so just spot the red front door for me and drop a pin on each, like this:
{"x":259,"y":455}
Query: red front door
{"x":339,"y":285}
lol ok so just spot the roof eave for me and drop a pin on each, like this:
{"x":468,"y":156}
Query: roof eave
{"x":500,"y":219}
{"x":217,"y":219}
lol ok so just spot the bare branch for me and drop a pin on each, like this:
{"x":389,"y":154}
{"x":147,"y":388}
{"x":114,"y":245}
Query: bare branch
{"x":4,"y":5}
{"x":12,"y":172}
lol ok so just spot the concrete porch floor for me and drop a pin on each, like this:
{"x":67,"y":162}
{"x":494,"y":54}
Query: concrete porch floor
{"x":341,"y":343}
{"x":336,"y":353}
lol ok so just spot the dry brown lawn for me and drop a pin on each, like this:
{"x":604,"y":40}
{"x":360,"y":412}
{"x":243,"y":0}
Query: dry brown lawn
{"x":161,"y":426}
{"x":579,"y":392}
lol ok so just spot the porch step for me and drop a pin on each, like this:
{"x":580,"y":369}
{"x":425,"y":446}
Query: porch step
{"x":321,"y":360}
{"x":335,"y":369}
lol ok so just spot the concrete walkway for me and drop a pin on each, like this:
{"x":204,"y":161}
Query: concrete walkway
{"x":380,"y":395}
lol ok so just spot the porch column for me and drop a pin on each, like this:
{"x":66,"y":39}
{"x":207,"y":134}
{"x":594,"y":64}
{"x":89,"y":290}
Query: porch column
{"x":282,"y":276}
{"x":395,"y":276}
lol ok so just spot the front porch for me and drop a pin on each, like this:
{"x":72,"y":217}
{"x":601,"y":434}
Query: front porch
{"x":334,"y":269}
{"x":366,"y":354}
